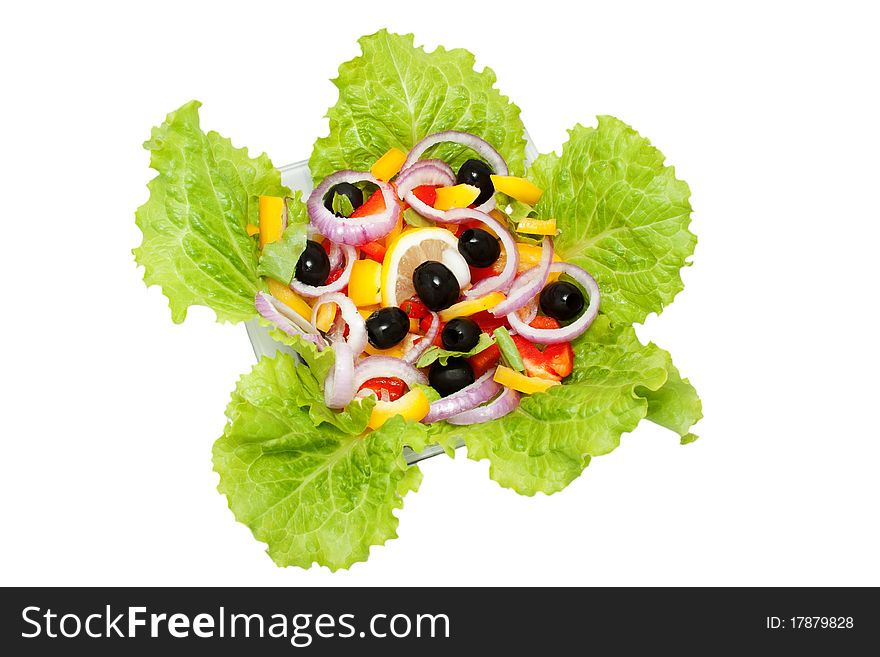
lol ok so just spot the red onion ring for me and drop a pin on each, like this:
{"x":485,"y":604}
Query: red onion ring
{"x":480,"y":391}
{"x":577,"y":327}
{"x":385,"y":366}
{"x":273,"y":311}
{"x":346,"y":230}
{"x":529,"y":284}
{"x":422,"y":345}
{"x":335,"y":256}
{"x":483,"y":148}
{"x":357,"y":328}
{"x":503,"y":280}
{"x":503,"y":404}
{"x":311,"y":291}
{"x":424,"y":172}
{"x":339,"y":385}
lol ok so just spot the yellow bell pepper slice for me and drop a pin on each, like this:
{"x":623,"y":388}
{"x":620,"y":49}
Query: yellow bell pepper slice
{"x":413,"y":405}
{"x":289,"y":298}
{"x":397,"y":351}
{"x":387,"y":166}
{"x":457,"y":196}
{"x":271,"y":209}
{"x":519,"y":188}
{"x":533,"y":226}
{"x":326,"y":315}
{"x":471,"y":306}
{"x":252,"y":230}
{"x":365,"y":284}
{"x":366,"y":311}
{"x":520,"y":382}
{"x":530,"y":255}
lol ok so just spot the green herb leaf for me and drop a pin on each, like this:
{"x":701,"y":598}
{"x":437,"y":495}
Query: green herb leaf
{"x":435,"y":353}
{"x":342,"y":205}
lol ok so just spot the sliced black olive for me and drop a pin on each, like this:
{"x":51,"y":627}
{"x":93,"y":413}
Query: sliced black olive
{"x":460,"y":334}
{"x":478,"y":247}
{"x":436,"y":285}
{"x":313,"y":266}
{"x":562,"y":301}
{"x":386,"y":327}
{"x":452,"y":377}
{"x":476,"y":173}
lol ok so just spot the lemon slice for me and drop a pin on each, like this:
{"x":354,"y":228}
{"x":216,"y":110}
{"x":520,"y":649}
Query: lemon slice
{"x":408,"y":251}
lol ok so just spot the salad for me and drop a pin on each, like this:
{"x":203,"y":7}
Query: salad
{"x":436,"y":288}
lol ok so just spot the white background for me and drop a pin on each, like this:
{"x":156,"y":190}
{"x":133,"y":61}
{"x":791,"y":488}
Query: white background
{"x":109,"y":410}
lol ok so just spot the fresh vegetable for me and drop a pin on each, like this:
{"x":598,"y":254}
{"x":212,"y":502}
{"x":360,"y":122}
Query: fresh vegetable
{"x":537,"y":226}
{"x":436,"y":285}
{"x":413,"y":406}
{"x":528,"y":284}
{"x":271,"y":209}
{"x":485,"y":360}
{"x":503,"y":404}
{"x":333,"y":283}
{"x":471,"y":306}
{"x":388,"y":388}
{"x":365,"y":283}
{"x":437,"y":353}
{"x":522,"y":383}
{"x":457,"y":196}
{"x":503,"y":279}
{"x":432,"y":331}
{"x":478,"y":247}
{"x":603,"y":212}
{"x":560,"y":357}
{"x":374,"y":251}
{"x":422,"y":174}
{"x":324,"y":317}
{"x":348,"y":230}
{"x":478,"y":174}
{"x":373,"y":205}
{"x":562,"y":301}
{"x":353,"y":195}
{"x":427,"y":194}
{"x":386,"y":327}
{"x":450,"y":377}
{"x":460,"y":334}
{"x":521,"y":189}
{"x":387,"y":166}
{"x":535,"y":362}
{"x":252,"y":230}
{"x":289,"y":298}
{"x":313,"y":266}
{"x":509,"y":352}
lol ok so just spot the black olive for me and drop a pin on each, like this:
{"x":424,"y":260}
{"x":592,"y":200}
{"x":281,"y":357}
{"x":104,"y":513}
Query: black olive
{"x":562,"y":301}
{"x":460,"y":334}
{"x":436,"y":286}
{"x":476,"y":173}
{"x":478,"y":247}
{"x":355,"y":196}
{"x":386,"y":327}
{"x":313,"y":266}
{"x":452,"y":377}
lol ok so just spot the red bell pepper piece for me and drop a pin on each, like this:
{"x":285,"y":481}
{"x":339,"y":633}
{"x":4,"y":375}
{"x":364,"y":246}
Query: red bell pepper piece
{"x":374,"y":205}
{"x":374,"y":251}
{"x":534,"y":360}
{"x":560,"y":357}
{"x":391,"y":386}
{"x":485,"y":360}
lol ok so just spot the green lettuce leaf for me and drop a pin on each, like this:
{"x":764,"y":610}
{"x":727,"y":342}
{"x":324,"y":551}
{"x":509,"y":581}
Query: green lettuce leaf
{"x":434,"y":353}
{"x":394,"y":95}
{"x":319,"y":362}
{"x":675,"y":405}
{"x":195,"y":244}
{"x":342,"y":205}
{"x":548,"y":441}
{"x":622,"y":214}
{"x":279,"y":258}
{"x":311,"y":493}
